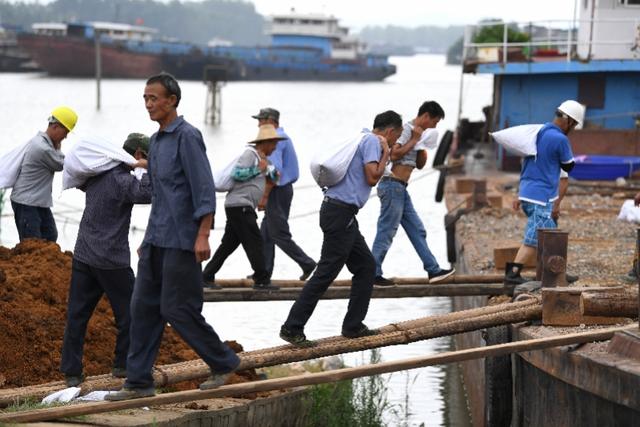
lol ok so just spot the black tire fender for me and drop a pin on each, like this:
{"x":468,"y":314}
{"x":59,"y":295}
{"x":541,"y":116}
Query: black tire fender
{"x":440,"y":187}
{"x":443,"y":149}
{"x":498,"y":382}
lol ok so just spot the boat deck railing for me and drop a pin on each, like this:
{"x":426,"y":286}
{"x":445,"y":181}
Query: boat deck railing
{"x":504,"y":42}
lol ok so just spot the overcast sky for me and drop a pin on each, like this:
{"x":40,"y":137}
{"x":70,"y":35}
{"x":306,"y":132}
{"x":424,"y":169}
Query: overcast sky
{"x":412,"y":13}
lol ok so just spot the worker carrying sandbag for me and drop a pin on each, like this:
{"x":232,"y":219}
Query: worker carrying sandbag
{"x":29,"y":170}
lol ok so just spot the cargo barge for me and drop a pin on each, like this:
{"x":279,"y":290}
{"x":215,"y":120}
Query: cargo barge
{"x":304,"y":47}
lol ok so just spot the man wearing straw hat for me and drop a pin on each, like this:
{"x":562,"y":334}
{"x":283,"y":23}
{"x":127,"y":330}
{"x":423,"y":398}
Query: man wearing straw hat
{"x":277,"y":198}
{"x":250,"y":175}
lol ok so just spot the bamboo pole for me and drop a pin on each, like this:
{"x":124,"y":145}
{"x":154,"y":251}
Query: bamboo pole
{"x":343,"y":292}
{"x":313,"y":379}
{"x":459,"y":278}
{"x":392,"y":334}
{"x":621,"y":303}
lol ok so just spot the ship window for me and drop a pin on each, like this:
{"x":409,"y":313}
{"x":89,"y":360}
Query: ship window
{"x":630,"y":2}
{"x":591,"y":90}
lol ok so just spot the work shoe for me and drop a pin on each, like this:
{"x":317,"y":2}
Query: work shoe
{"x":381,"y":282}
{"x":297,"y":339}
{"x":119,"y":372}
{"x":211,"y":285}
{"x":126,"y":393}
{"x":512,"y":274}
{"x":441,"y":275}
{"x":73,"y":380}
{"x":364,"y":331}
{"x":265,"y":287}
{"x":215,"y":381}
{"x":306,"y":271}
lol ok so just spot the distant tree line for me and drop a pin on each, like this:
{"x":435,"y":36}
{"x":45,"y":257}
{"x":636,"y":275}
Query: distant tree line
{"x":199,"y":22}
{"x":427,"y":37}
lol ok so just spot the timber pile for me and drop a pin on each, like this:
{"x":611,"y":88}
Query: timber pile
{"x":621,"y":302}
{"x":392,"y":334}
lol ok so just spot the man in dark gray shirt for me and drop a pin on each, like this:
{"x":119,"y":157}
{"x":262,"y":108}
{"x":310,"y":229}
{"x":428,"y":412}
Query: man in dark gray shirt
{"x":168,"y":287}
{"x":31,"y":195}
{"x":101,"y":259}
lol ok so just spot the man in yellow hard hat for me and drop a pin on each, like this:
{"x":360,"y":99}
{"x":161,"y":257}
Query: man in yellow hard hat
{"x":31,"y":195}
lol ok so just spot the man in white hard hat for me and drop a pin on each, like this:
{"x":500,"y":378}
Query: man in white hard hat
{"x":539,"y":182}
{"x":31,"y":195}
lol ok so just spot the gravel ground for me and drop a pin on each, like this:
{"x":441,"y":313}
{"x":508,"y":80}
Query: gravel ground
{"x":600,"y":248}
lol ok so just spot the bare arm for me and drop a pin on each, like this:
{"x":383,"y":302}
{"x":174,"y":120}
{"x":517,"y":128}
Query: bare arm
{"x":421,"y":159}
{"x":201,"y":247}
{"x":399,"y":150}
{"x":373,"y":171}
{"x":562,"y":191}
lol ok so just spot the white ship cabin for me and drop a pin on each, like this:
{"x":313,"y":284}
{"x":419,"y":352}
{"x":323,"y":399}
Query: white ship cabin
{"x":117,"y":31}
{"x":49,"y":28}
{"x":315,"y":30}
{"x":615,"y":33}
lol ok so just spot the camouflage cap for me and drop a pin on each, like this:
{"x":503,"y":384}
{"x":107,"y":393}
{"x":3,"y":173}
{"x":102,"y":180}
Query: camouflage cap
{"x":136,"y":141}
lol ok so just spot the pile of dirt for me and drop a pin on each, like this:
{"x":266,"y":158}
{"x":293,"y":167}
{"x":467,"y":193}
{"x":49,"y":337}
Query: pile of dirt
{"x":34,"y":283}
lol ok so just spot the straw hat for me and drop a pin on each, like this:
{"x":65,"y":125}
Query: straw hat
{"x":267,"y":133}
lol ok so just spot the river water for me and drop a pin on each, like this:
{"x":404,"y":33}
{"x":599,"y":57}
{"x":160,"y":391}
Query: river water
{"x":313,"y":114}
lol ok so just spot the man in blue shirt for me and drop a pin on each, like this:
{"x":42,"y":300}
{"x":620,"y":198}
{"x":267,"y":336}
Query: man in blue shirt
{"x":101,"y":258}
{"x":539,"y":182}
{"x":168,"y":288}
{"x":342,"y":242}
{"x":277,"y":198}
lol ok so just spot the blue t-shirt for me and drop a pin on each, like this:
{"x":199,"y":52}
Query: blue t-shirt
{"x":353,"y":188}
{"x":541,"y":173}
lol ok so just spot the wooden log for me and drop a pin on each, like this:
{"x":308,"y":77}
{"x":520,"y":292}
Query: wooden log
{"x":343,"y":292}
{"x":620,"y":303}
{"x":311,"y":379}
{"x":395,"y":333}
{"x":562,"y":307}
{"x":459,"y":278}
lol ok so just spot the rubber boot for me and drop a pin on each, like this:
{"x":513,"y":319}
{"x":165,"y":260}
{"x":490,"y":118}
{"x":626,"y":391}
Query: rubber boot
{"x":512,"y":274}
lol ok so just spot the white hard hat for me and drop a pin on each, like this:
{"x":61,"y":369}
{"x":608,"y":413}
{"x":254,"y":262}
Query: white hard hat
{"x":573,"y":109}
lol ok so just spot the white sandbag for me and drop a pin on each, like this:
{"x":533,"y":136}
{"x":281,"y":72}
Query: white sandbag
{"x":329,"y":165}
{"x":63,"y":396}
{"x":223,"y":179}
{"x":94,"y":396}
{"x":518,"y":140}
{"x":428,"y":140}
{"x":10,"y":165}
{"x":629,"y":212}
{"x":89,"y":157}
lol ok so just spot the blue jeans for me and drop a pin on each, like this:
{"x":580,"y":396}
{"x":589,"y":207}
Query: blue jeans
{"x":396,"y":209}
{"x":538,"y":216}
{"x":34,"y":222}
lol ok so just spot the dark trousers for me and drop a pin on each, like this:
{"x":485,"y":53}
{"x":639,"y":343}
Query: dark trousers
{"x":342,"y":244}
{"x":168,"y":289}
{"x":241,"y":229}
{"x":275,"y":229}
{"x":34,"y":222}
{"x":88,"y":284}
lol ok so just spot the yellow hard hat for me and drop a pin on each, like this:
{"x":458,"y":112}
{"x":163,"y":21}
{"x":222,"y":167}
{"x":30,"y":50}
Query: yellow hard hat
{"x":66,"y":116}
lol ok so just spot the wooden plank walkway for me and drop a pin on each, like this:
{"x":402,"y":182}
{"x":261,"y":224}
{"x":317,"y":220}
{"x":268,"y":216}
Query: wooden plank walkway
{"x":342,"y":292}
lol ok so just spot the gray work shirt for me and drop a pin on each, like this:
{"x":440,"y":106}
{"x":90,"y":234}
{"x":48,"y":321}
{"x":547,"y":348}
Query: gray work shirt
{"x":34,"y":184}
{"x":246,"y":193}
{"x":182,"y":186}
{"x":103,"y":237}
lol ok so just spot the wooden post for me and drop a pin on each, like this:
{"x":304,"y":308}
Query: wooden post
{"x":480,"y":194}
{"x":540,"y":233}
{"x":554,"y":258}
